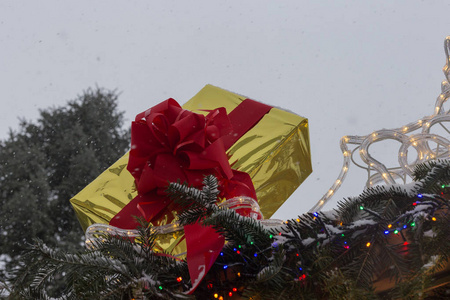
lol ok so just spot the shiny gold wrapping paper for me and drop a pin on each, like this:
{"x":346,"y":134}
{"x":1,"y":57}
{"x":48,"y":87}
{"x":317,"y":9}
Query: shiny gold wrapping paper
{"x":275,"y":153}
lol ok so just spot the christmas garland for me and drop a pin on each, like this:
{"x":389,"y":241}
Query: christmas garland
{"x":389,"y":242}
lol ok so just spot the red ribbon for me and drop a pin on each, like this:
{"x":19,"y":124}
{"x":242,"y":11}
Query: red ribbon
{"x":170,"y":144}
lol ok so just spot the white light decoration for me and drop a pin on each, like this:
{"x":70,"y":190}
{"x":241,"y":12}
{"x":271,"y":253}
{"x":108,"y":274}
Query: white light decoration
{"x":421,"y":141}
{"x":97,"y":231}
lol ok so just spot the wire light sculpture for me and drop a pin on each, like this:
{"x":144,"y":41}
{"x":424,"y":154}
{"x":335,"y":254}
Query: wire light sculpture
{"x":378,"y":173}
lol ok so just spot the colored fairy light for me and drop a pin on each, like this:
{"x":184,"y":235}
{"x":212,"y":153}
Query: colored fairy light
{"x":415,"y":134}
{"x":386,"y":232}
{"x":234,"y":249}
{"x":433,"y":218}
{"x":390,"y":225}
{"x":234,"y":289}
{"x":405,"y":243}
{"x":270,"y":236}
{"x":297,"y":254}
{"x":251,"y":243}
{"x":443,"y":186}
{"x":346,"y":247}
{"x":225,"y":266}
{"x":230,"y":294}
{"x":420,"y":195}
{"x":179,"y":279}
{"x":414,"y":203}
{"x":315,"y":214}
{"x":238,"y":252}
{"x":239,"y":246}
{"x":221,"y":253}
{"x":255,"y":255}
{"x":216,"y":295}
{"x":342,"y":234}
{"x":160,"y":287}
{"x":395,"y":231}
{"x":413,"y":224}
{"x":404,"y":226}
{"x":302,"y":277}
{"x":239,"y":274}
{"x":368,"y":244}
{"x":361,"y":208}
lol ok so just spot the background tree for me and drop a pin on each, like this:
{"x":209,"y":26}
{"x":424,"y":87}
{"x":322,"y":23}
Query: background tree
{"x":46,"y":162}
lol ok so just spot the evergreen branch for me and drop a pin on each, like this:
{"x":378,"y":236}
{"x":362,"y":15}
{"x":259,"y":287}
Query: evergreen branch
{"x":235,"y":227}
{"x":269,"y":272}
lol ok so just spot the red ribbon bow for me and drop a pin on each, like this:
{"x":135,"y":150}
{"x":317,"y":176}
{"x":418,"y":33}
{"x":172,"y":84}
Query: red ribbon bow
{"x":170,"y":144}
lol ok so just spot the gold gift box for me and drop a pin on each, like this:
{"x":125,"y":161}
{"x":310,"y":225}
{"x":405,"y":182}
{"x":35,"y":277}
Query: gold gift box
{"x":275,"y":153}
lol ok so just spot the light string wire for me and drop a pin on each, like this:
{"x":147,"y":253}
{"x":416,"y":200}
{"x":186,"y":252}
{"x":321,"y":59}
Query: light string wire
{"x":378,"y":173}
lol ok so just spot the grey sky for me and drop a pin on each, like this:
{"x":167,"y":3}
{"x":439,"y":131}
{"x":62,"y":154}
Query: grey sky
{"x":351,"y":67}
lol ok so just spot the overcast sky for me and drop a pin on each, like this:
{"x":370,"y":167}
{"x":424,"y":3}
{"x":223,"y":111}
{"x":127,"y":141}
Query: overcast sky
{"x":350,"y":67}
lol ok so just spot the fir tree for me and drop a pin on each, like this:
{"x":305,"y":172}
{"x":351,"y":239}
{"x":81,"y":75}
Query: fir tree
{"x":46,"y":162}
